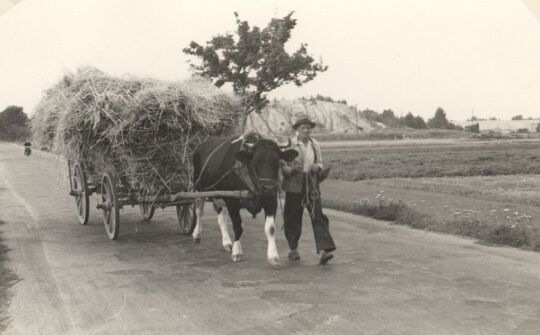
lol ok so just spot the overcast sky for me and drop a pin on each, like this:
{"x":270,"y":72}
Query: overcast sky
{"x":407,"y":55}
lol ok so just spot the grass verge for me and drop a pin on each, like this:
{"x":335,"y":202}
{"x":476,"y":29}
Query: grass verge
{"x":494,"y":222}
{"x":7,"y":280}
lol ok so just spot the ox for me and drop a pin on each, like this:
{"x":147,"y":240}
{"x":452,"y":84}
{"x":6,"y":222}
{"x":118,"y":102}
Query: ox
{"x":246,"y":163}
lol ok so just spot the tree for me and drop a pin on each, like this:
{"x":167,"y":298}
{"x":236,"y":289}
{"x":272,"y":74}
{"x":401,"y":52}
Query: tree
{"x":13,"y":124}
{"x":371,"y":115}
{"x":439,"y":120}
{"x":254,"y":61}
{"x":415,"y":122}
{"x":409,"y":120}
{"x":389,"y":118}
{"x":388,"y":115}
{"x":517,"y":117}
{"x":419,"y":123}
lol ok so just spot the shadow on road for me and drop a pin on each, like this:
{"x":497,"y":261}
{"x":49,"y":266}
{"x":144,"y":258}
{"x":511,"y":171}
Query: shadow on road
{"x":7,"y":279}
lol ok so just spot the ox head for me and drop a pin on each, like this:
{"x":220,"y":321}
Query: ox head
{"x":262,"y":158}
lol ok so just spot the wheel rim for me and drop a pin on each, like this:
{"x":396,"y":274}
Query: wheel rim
{"x":109,"y":207}
{"x":82,"y":197}
{"x":185,"y":218}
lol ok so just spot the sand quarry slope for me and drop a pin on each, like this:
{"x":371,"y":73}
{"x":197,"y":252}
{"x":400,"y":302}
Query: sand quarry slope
{"x":331,"y":117}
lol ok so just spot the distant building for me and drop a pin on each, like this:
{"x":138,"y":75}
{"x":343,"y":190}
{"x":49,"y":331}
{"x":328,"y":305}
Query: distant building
{"x":474,"y":128}
{"x":503,"y":126}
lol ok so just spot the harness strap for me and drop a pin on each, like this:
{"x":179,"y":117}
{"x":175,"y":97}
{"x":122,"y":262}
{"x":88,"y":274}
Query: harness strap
{"x":219,"y":180}
{"x":206,"y":164}
{"x":242,"y":171}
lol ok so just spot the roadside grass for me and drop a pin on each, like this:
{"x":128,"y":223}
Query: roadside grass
{"x":489,"y":220}
{"x":519,"y":189}
{"x":7,"y":279}
{"x":462,"y":158}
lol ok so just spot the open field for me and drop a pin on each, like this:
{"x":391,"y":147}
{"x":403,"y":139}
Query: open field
{"x":432,"y":158}
{"x":489,"y":190}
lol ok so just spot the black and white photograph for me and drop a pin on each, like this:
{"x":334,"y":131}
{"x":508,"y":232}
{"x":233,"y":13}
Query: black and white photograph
{"x":270,"y":167}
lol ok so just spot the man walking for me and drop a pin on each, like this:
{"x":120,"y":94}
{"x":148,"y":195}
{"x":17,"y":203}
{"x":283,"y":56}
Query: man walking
{"x":301,"y":184}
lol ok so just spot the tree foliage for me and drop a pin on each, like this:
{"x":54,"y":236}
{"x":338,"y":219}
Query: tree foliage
{"x":439,"y":120}
{"x":13,"y":124}
{"x":517,"y":117}
{"x":254,"y":60}
{"x":388,"y":118}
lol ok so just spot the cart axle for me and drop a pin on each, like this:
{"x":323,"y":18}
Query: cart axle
{"x":106,"y":206}
{"x":75,"y":193}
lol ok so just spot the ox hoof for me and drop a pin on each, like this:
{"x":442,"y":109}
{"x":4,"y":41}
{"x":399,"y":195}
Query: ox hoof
{"x":237,"y":258}
{"x":274,"y":261}
{"x":196,"y":240}
{"x":227,"y":247}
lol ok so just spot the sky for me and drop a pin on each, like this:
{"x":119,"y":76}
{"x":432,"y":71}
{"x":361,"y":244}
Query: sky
{"x":466,"y":56}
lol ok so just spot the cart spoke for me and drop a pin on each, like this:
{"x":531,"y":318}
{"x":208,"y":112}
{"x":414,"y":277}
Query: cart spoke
{"x":108,"y":220}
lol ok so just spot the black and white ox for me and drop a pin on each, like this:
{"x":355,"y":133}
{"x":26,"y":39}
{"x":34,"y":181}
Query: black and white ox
{"x":247,"y":163}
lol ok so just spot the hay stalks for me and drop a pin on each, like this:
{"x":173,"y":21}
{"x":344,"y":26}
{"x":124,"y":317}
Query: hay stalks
{"x":143,"y":130}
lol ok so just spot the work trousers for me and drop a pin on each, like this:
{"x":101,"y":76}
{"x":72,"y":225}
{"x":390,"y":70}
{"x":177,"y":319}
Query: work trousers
{"x":294,"y":211}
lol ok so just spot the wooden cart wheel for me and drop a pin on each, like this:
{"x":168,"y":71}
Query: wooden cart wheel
{"x":80,"y":193}
{"x":186,"y":218}
{"x":109,"y":206}
{"x":147,"y":211}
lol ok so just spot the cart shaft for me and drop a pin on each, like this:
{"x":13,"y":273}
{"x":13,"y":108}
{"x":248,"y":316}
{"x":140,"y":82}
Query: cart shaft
{"x":195,"y":195}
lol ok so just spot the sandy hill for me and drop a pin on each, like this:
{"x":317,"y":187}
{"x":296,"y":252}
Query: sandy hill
{"x":331,"y":117}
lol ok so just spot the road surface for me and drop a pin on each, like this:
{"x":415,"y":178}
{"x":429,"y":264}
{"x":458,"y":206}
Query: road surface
{"x":385,"y":279}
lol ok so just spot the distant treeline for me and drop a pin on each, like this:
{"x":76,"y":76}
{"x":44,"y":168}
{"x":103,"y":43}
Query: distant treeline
{"x":389,"y":118}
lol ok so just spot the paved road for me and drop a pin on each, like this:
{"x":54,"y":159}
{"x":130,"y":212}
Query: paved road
{"x":384,"y":280}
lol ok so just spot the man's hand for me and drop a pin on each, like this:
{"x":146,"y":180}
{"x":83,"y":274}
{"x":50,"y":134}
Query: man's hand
{"x":315,"y":168}
{"x":297,"y":169}
{"x":290,"y":170}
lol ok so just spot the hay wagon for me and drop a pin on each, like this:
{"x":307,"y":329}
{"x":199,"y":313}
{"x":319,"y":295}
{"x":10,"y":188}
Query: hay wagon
{"x":125,"y":137}
{"x":113,"y":195}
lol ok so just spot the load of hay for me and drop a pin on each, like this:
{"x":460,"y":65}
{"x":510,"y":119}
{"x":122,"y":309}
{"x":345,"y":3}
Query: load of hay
{"x":144,"y":131}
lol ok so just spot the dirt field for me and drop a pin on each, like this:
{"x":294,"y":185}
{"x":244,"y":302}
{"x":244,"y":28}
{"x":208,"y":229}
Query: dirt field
{"x":433,"y":158}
